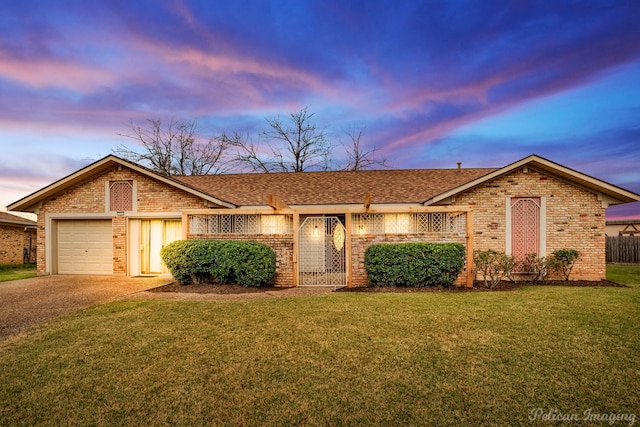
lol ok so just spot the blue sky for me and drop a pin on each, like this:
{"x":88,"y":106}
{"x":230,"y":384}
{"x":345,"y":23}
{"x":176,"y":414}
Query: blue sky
{"x":433,"y":83}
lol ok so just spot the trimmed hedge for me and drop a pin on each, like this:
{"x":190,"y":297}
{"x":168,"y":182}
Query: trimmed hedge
{"x":414,"y":264}
{"x":243,"y":262}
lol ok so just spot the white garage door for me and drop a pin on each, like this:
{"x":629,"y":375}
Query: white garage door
{"x":85,"y":247}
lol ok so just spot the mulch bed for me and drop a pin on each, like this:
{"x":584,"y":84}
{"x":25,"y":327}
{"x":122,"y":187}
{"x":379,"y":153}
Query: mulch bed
{"x":502,"y":286}
{"x":208,"y":288}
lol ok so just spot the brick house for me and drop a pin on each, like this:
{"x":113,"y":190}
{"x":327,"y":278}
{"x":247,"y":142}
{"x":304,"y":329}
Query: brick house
{"x":17,"y":239}
{"x":113,"y":216}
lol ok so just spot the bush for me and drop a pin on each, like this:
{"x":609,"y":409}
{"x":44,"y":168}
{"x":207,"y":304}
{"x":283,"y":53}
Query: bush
{"x":563,"y":260}
{"x":414,"y":264}
{"x":493,"y":266}
{"x":246,"y":263}
{"x":537,"y":267}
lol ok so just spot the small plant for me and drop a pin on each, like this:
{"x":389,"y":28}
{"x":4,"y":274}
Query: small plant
{"x":493,"y":266}
{"x":537,"y":266}
{"x":563,"y":261}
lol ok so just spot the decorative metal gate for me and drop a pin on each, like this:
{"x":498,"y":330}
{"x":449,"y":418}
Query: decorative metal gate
{"x":321,"y":252}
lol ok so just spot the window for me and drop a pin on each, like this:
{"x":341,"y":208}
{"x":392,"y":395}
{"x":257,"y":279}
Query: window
{"x":120,"y":196}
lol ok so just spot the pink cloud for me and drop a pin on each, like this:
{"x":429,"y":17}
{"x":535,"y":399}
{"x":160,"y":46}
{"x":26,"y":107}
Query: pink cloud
{"x":47,"y":73}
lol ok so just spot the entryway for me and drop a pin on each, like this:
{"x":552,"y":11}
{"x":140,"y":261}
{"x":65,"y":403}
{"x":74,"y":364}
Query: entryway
{"x":154,"y":235}
{"x":321,"y":252}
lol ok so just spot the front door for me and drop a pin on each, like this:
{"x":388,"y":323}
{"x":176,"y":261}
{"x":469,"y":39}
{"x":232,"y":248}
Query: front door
{"x":154,"y":235}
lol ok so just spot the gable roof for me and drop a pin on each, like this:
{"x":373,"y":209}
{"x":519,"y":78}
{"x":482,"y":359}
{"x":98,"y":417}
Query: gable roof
{"x":30,"y":202}
{"x":615,"y":195}
{"x":331,"y":188}
{"x":418,"y":186}
{"x":7,"y":218}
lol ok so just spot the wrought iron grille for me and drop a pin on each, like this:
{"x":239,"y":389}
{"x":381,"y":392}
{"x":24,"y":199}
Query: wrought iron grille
{"x":321,"y":254}
{"x":410,"y":223}
{"x":240,"y":224}
{"x":120,"y":196}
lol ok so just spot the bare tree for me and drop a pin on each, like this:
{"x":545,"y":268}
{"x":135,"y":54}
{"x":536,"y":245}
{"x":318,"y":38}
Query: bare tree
{"x":174,"y":149}
{"x":358,"y":157}
{"x":247,"y":155}
{"x":294,"y":144}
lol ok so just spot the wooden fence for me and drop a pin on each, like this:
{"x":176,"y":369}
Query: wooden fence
{"x":623,"y":249}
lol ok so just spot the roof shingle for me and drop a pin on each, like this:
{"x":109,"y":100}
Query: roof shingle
{"x":5,"y":216}
{"x":328,"y":188}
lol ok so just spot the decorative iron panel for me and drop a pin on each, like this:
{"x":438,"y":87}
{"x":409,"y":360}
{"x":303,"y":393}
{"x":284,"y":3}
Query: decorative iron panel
{"x":240,"y":224}
{"x":410,"y":223}
{"x":321,"y":252}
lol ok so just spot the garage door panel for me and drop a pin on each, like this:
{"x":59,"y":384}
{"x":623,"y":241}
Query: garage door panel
{"x":85,"y":247}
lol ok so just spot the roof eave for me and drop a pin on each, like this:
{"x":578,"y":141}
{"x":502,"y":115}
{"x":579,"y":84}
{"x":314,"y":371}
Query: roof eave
{"x":30,"y":202}
{"x":18,"y":223}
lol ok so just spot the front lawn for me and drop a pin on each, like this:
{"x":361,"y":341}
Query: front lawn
{"x":485,"y":358}
{"x":624,"y":273}
{"x":16,"y":271}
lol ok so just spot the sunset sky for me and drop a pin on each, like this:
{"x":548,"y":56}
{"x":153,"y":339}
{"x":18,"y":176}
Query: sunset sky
{"x":433,"y":83}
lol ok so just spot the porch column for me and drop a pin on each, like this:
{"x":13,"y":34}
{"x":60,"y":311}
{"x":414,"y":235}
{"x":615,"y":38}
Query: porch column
{"x":470,"y":265}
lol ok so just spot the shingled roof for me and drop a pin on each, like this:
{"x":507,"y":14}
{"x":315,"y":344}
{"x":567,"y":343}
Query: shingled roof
{"x":8,"y":218}
{"x":328,"y":188}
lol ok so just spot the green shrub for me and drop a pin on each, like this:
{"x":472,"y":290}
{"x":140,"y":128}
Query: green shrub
{"x":563,"y":260}
{"x":246,"y":263}
{"x":414,"y":264}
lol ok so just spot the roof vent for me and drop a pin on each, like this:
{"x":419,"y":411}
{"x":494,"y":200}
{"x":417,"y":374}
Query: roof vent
{"x":459,"y":165}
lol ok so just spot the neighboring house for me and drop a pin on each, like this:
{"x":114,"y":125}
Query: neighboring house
{"x":114,"y":216}
{"x":17,"y":239}
{"x":628,"y":227}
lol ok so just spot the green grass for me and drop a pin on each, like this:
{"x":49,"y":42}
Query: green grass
{"x":485,"y":358}
{"x":624,"y":273}
{"x":16,"y":271}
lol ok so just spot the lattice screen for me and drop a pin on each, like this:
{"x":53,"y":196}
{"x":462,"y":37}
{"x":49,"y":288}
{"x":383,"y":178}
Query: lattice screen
{"x":525,"y":226}
{"x":240,"y":224}
{"x":121,"y":196}
{"x":409,"y":223}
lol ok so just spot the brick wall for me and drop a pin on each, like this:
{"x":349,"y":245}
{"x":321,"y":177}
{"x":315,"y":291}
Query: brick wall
{"x":575,"y":218}
{"x":282,"y":245}
{"x":90,"y":197}
{"x":13,"y":240}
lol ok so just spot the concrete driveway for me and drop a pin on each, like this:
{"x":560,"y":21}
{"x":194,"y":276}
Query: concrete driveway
{"x":25,"y":303}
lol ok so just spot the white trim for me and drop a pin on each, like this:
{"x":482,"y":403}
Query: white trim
{"x":50,"y":231}
{"x":159,"y":215}
{"x":543,"y":227}
{"x":133,"y":243}
{"x":134,"y":195}
{"x":103,"y":165}
{"x":507,"y":231}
